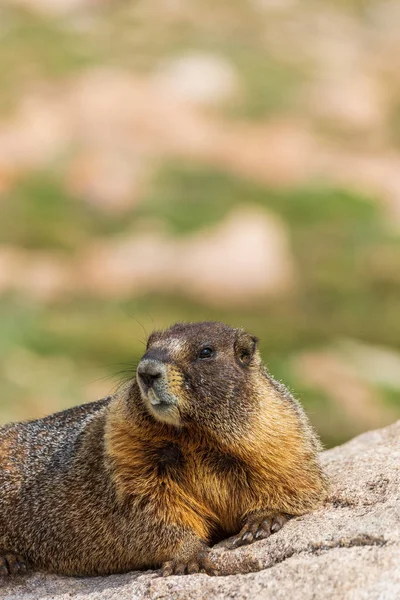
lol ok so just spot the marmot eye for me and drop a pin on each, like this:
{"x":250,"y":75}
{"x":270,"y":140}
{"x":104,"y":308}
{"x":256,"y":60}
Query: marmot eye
{"x":206,"y":352}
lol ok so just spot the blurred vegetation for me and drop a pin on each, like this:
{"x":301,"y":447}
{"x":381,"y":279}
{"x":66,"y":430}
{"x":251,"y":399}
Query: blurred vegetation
{"x":346,"y":253}
{"x":334,"y":235}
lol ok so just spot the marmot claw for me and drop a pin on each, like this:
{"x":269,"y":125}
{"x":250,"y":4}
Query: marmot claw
{"x":258,"y":527}
{"x":12,"y":564}
{"x":199,"y":564}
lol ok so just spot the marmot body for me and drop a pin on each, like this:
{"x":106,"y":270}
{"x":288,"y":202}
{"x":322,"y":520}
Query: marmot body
{"x":203,"y":444}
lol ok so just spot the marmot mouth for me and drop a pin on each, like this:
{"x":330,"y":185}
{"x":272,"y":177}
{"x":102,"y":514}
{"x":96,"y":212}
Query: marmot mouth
{"x":163,"y":407}
{"x":161,"y":398}
{"x":153,"y":381}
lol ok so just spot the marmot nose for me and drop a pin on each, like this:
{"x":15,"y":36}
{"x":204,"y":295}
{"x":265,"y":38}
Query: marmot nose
{"x":149,"y":371}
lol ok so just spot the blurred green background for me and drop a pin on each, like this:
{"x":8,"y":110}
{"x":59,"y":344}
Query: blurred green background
{"x":188,"y":160}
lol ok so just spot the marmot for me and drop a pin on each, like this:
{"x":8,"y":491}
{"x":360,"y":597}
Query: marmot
{"x":203,"y":444}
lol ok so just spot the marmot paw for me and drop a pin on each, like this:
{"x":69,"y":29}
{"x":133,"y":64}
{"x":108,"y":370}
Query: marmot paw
{"x":258,"y":527}
{"x":12,"y":564}
{"x":199,"y":564}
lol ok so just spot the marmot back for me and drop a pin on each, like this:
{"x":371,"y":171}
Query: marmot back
{"x":202,"y":445}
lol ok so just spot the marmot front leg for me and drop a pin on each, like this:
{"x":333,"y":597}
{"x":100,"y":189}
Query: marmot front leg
{"x":12,"y":564}
{"x":258,"y":525}
{"x":192,"y":557}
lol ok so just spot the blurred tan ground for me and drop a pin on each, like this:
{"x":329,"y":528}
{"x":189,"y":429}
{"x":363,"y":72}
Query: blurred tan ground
{"x":137,"y":87}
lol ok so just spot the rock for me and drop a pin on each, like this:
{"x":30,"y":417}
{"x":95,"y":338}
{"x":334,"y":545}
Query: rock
{"x":345,"y":376}
{"x":357,"y":102}
{"x":43,"y":276}
{"x":53,"y":7}
{"x":198,"y":78}
{"x":370,"y":172}
{"x":243,"y":258}
{"x":34,"y":135}
{"x":349,"y":548}
{"x":108,"y":181}
{"x":376,"y":364}
{"x":112,"y":124}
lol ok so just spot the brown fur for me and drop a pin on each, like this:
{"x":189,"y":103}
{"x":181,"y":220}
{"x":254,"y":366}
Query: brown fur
{"x":119,"y":485}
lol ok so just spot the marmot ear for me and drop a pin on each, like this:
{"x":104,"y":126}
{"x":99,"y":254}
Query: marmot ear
{"x":245,"y":346}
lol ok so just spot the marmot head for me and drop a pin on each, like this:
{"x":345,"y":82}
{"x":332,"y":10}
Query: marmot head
{"x":200,"y":374}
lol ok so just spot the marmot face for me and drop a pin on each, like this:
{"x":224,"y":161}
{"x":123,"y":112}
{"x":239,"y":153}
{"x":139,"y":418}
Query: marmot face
{"x":202,"y":374}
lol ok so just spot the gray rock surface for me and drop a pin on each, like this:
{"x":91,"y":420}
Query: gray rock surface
{"x":347,"y":550}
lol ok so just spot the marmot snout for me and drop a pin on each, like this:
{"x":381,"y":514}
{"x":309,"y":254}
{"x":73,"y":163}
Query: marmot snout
{"x":201,"y":445}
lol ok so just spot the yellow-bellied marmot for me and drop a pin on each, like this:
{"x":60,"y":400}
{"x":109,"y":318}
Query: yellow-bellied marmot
{"x":202,"y":445}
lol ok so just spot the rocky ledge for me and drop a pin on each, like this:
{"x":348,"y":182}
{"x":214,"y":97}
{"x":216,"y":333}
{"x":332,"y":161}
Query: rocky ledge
{"x":348,"y":549}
